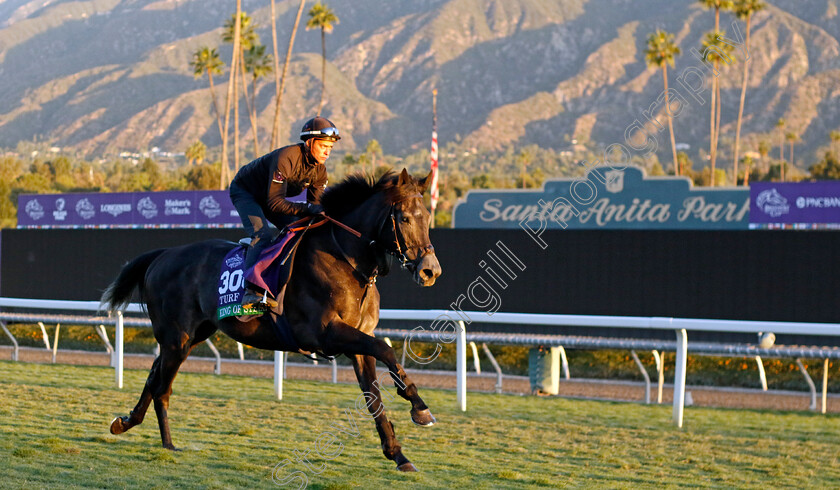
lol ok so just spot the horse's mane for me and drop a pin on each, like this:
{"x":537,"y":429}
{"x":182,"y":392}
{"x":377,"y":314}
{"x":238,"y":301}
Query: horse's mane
{"x":344,"y":197}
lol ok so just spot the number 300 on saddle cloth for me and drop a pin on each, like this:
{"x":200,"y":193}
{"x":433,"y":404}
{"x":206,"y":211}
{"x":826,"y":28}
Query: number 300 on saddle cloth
{"x":232,"y":285}
{"x":270,"y":272}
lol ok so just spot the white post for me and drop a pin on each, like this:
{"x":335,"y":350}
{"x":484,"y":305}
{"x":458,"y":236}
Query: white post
{"x":55,"y":342}
{"x":278,"y":374}
{"x":461,"y":365}
{"x":679,"y":376}
{"x":660,"y":370}
{"x":475,"y":358}
{"x":811,"y":387}
{"x":14,"y":341}
{"x":241,"y":351}
{"x":825,"y":384}
{"x":762,"y":376}
{"x":495,"y":366}
{"x":217,"y":369}
{"x":100,"y":329}
{"x":334,"y":371}
{"x":644,"y":375}
{"x":44,"y":334}
{"x":564,"y":361}
{"x":118,"y":340}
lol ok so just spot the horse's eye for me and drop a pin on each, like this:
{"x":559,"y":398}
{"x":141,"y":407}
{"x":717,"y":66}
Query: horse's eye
{"x":404,"y":219}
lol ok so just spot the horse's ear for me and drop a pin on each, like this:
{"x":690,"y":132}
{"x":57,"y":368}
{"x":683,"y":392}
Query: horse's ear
{"x":404,"y":177}
{"x":425,"y":181}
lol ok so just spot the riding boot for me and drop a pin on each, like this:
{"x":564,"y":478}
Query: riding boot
{"x":255,"y":297}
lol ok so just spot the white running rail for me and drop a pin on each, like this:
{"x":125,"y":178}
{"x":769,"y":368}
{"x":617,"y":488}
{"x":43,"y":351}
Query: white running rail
{"x":680,"y":326}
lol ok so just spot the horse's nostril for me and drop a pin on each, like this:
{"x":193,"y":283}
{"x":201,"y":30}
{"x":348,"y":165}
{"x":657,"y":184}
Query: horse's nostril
{"x":427,"y":273}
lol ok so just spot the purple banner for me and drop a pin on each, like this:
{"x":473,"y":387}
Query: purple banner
{"x":172,"y":209}
{"x":796,"y":204}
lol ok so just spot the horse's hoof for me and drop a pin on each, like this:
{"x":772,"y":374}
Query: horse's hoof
{"x":407,"y":467}
{"x":423,"y":418}
{"x":117,"y":426}
{"x":171,"y":447}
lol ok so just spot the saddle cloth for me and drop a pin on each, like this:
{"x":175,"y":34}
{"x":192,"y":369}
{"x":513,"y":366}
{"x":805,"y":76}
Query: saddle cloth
{"x":271,"y":272}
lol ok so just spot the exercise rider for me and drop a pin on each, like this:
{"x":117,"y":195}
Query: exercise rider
{"x":261,"y":189}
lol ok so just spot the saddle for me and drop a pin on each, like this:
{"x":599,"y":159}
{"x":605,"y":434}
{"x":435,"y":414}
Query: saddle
{"x":271,"y":272}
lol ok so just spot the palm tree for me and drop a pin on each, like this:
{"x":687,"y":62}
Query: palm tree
{"x":246,"y":38}
{"x":714,"y":49}
{"x":224,"y":177}
{"x":524,"y":158}
{"x":279,"y":95}
{"x":714,"y":123}
{"x":322,"y":17}
{"x":207,"y":60}
{"x":661,"y":51}
{"x":780,"y":124}
{"x":371,"y":150}
{"x":835,"y":138}
{"x":196,"y":152}
{"x":791,"y":137}
{"x":258,"y":64}
{"x":744,"y":9}
{"x":764,"y":148}
{"x":748,"y":163}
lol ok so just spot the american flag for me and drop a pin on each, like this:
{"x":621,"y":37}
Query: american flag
{"x":434,"y":154}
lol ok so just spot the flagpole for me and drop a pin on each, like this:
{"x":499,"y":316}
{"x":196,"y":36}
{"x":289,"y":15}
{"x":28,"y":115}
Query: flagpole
{"x":434,"y":159}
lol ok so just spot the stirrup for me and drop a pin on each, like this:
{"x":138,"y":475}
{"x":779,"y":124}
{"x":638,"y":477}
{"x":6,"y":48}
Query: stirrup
{"x":263,"y":304}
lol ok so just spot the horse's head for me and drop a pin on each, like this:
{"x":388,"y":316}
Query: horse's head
{"x":390,"y":213}
{"x":409,"y":222}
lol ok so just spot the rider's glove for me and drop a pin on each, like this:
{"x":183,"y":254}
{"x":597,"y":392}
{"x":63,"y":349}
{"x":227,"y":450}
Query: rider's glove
{"x":313,"y":209}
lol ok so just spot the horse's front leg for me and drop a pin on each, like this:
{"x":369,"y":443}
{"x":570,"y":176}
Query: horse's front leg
{"x":365,"y":367}
{"x":341,"y":337}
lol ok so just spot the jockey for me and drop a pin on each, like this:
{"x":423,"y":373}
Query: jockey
{"x":260,"y":192}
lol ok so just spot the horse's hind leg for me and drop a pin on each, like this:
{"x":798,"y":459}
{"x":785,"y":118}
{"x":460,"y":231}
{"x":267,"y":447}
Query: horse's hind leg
{"x":365,"y":367}
{"x":135,"y":417}
{"x":171,"y":359}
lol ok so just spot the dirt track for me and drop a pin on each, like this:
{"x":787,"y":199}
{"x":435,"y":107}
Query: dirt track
{"x":597,"y":389}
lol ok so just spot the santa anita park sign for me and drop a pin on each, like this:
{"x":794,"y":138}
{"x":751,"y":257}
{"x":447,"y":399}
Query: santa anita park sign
{"x":608,"y":198}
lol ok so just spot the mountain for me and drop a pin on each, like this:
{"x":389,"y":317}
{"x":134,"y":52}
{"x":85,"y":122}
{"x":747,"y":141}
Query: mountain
{"x":105,"y":76}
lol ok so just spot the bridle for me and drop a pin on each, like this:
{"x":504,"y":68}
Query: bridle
{"x":395,"y":248}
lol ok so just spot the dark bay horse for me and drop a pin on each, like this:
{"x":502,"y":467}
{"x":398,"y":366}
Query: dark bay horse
{"x":331,"y":301}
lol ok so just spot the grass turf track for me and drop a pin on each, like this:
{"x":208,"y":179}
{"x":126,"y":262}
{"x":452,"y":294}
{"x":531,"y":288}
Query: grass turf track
{"x":54,"y":423}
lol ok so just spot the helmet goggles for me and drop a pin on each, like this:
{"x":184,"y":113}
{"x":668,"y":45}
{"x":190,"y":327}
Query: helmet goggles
{"x":326,"y":133}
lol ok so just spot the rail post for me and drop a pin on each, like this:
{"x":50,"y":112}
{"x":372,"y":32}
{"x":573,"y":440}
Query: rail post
{"x":461,"y":365}
{"x":278,"y":374}
{"x":55,"y":342}
{"x":118,"y":353}
{"x":825,"y":384}
{"x":13,"y":339}
{"x":476,"y":361}
{"x":679,"y":376}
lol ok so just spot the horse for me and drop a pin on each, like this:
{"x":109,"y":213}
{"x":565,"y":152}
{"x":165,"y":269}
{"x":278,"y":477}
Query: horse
{"x":331,"y":302}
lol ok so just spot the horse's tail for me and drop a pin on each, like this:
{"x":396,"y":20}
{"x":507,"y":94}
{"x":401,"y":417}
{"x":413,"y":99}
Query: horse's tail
{"x":131,"y":277}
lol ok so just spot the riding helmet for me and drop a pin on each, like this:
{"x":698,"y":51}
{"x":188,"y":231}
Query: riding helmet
{"x":319,"y":128}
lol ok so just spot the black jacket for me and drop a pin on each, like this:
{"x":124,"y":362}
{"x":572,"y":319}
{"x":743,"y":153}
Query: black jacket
{"x":285,"y":172}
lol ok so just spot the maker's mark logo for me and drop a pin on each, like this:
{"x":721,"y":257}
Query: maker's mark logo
{"x":772,"y":203}
{"x":210,"y":207}
{"x":615,"y":181}
{"x":34,"y":209}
